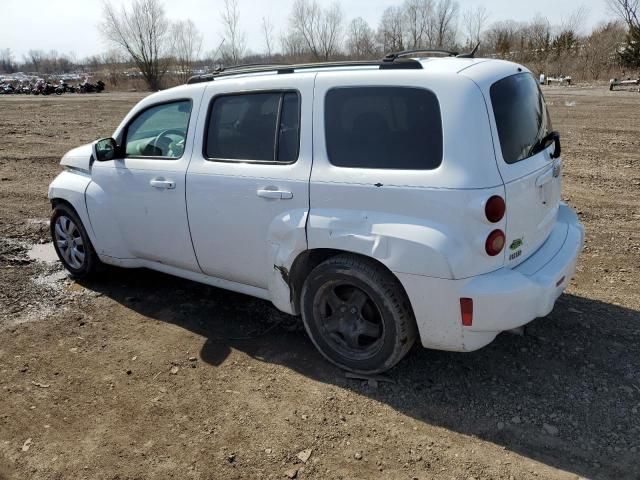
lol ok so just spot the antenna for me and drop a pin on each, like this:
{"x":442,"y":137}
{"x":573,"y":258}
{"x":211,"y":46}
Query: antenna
{"x":472,"y":53}
{"x":215,"y":55}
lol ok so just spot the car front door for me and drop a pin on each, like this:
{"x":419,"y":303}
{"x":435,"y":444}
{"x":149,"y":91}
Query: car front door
{"x":142,"y":193}
{"x":248,"y":188}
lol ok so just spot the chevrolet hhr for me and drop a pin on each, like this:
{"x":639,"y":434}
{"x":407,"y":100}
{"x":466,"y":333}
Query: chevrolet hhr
{"x":413,"y":197}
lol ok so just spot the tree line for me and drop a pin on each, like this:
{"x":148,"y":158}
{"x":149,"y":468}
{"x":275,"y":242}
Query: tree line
{"x":164,"y":52}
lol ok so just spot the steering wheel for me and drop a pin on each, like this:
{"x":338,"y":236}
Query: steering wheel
{"x":163,"y":143}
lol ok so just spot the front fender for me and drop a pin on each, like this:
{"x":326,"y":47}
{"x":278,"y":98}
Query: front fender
{"x":112,"y":244}
{"x":70,"y":186}
{"x":403,"y":244}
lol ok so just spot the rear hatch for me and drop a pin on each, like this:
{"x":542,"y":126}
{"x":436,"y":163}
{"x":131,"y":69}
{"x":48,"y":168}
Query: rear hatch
{"x":525,"y":153}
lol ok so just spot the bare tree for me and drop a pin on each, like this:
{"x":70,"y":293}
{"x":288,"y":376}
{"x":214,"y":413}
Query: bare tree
{"x":566,"y":38}
{"x":360,"y":39}
{"x":391,"y":29}
{"x":34,"y":58}
{"x":92,"y":63}
{"x":235,"y":42}
{"x":445,"y":23}
{"x":113,"y":61}
{"x":50,"y":63}
{"x":187,"y":45}
{"x":575,"y":20}
{"x":64,"y":64}
{"x":294,"y":46}
{"x":267,"y":32}
{"x":320,"y":28}
{"x":331,"y":33}
{"x":417,"y":15}
{"x":535,"y":43}
{"x":6,"y":61}
{"x":142,"y":32}
{"x":474,"y":21}
{"x":599,"y":49}
{"x":627,"y":10}
{"x":539,"y":34}
{"x":500,"y":37}
{"x":212,"y":57}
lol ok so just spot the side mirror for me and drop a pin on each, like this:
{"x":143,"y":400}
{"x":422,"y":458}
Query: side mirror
{"x":105,"y":149}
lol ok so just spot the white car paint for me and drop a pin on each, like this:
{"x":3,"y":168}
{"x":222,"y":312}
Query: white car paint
{"x":527,"y":183}
{"x":150,"y":221}
{"x":427,"y":227}
{"x":232,"y":197}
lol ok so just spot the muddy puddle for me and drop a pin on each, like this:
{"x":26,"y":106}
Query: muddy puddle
{"x":42,"y":252}
{"x":45,"y":253}
{"x":38,"y":221}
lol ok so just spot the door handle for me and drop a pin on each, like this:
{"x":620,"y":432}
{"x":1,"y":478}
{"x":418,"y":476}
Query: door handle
{"x":278,"y":194}
{"x":162,"y":183}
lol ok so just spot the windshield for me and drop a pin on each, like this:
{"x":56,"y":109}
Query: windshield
{"x":521,"y":116}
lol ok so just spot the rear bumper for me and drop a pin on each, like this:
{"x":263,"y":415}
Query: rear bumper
{"x":502,"y":300}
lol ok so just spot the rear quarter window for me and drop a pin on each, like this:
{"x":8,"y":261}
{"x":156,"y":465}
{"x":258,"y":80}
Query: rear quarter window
{"x":383,"y":127}
{"x":521,"y":116}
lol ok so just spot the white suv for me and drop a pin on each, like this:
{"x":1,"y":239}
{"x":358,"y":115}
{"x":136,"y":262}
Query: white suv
{"x":379,"y":200}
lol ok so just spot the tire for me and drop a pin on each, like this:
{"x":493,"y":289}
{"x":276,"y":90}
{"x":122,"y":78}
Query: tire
{"x":80,"y":259}
{"x":357,"y":314}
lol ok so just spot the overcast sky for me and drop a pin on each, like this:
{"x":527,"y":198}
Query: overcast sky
{"x":71,"y":26}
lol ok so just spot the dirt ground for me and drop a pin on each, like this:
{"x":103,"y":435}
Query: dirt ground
{"x":140,"y":375}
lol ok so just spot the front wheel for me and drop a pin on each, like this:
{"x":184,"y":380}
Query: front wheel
{"x":72,"y":243}
{"x":357,"y":314}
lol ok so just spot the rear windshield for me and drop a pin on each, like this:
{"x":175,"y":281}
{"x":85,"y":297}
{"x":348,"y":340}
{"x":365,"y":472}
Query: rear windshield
{"x":521,"y":116}
{"x":383,"y":127}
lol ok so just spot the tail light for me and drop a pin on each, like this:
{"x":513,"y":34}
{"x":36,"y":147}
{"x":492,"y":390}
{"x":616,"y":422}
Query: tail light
{"x":495,"y":243}
{"x":495,"y":208}
{"x":466,"y":311}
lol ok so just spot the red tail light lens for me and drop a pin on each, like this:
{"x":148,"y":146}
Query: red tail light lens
{"x":466,"y":311}
{"x":495,"y":208}
{"x":495,"y":243}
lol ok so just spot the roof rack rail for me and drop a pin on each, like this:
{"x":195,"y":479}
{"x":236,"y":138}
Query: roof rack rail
{"x":385,"y":64}
{"x":249,"y":65}
{"x":405,"y":53}
{"x":217,"y":72}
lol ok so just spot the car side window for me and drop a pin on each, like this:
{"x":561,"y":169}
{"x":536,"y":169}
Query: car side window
{"x":383,"y":127}
{"x":261,"y":127}
{"x":159,"y":131}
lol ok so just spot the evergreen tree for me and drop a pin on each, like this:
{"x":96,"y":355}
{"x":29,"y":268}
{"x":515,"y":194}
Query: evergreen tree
{"x":630,"y":53}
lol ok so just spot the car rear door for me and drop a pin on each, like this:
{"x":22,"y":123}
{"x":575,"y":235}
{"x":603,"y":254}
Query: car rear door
{"x":248,"y":184}
{"x":525,"y":152}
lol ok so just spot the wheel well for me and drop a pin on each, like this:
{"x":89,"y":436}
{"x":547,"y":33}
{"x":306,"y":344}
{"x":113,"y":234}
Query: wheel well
{"x":59,"y":201}
{"x":310,"y":259}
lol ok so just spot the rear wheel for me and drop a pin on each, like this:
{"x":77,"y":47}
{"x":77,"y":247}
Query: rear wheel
{"x":72,"y":243}
{"x":357,"y":314}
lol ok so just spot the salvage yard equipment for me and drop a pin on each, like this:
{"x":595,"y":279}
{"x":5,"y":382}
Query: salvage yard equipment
{"x":561,"y":80}
{"x":41,"y":87}
{"x":614,"y":82}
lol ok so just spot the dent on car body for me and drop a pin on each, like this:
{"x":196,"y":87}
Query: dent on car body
{"x":401,"y":244}
{"x":287,"y":239}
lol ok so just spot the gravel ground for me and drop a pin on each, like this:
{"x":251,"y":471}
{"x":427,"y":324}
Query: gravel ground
{"x":140,"y":375}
